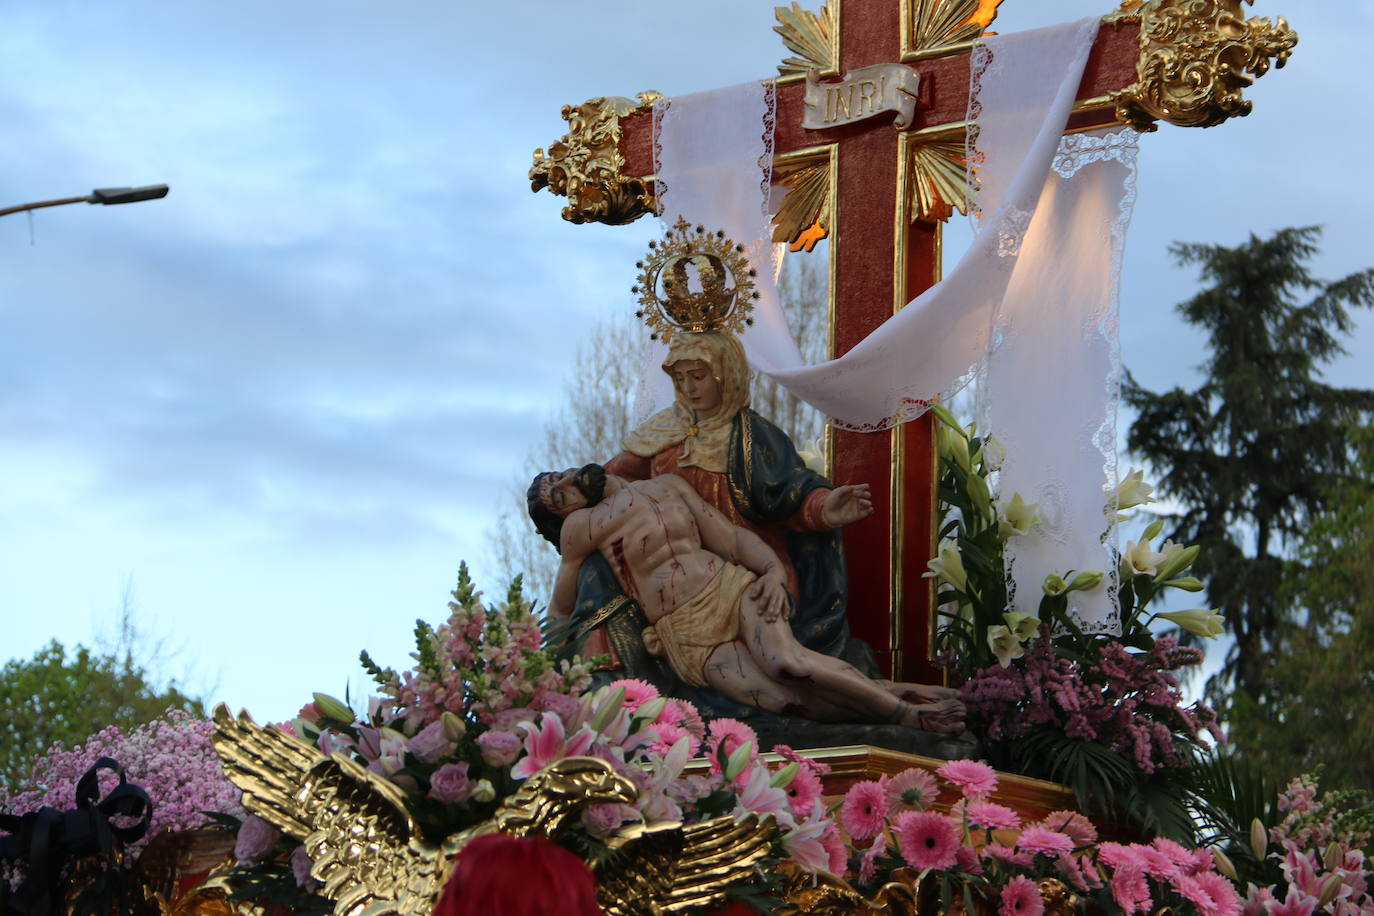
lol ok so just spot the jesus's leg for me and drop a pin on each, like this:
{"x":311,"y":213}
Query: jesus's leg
{"x":732,"y":672}
{"x":822,"y":680}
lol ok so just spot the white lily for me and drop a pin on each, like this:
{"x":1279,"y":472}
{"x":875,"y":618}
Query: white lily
{"x":1140,"y":559}
{"x":1198,"y":621}
{"x":1022,"y":626}
{"x":1131,"y":492}
{"x":954,"y":445}
{"x":1174,"y":559}
{"x":1018,"y":517}
{"x":1004,"y":645}
{"x":949,"y":566}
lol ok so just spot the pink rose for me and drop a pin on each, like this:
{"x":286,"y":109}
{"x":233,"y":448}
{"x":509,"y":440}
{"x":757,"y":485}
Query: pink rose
{"x":255,"y":840}
{"x":499,"y":749}
{"x":450,"y":783}
{"x":430,"y":743}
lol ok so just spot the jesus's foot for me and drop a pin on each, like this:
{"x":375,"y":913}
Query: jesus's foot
{"x":943,"y":716}
{"x":919,"y":693}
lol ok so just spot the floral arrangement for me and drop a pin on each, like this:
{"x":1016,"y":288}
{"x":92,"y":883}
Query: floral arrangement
{"x":981,"y":855}
{"x":1315,"y":859}
{"x":1104,"y":714}
{"x":170,"y":757}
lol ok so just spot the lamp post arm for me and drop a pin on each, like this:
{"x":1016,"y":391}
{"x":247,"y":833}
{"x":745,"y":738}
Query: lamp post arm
{"x":6,"y":211}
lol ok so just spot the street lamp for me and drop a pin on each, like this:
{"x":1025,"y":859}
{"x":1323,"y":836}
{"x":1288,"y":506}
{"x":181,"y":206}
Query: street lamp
{"x":98,"y":196}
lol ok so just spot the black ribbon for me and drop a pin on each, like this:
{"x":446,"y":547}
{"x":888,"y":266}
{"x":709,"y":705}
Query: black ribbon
{"x":47,"y":839}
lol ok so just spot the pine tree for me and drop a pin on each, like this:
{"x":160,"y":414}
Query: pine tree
{"x":1254,"y":451}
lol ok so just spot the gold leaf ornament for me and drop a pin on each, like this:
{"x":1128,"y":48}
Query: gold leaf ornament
{"x":811,"y":37}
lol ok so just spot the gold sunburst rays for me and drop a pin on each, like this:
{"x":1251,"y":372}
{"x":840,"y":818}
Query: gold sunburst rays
{"x":813,"y":37}
{"x":939,"y":180}
{"x":806,"y":212}
{"x":932,"y":27}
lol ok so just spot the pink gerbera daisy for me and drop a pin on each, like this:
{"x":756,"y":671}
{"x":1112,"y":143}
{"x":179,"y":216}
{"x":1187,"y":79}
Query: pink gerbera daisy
{"x":914,"y":788}
{"x":992,"y":816}
{"x":1007,"y":856}
{"x":1073,"y":825}
{"x":864,"y":810}
{"x":1021,"y":897}
{"x":730,"y":734}
{"x":1212,"y":894}
{"x":637,"y":692}
{"x":1047,"y":842}
{"x":803,"y":791}
{"x":685,"y":715}
{"x":868,"y":864}
{"x":974,"y":778}
{"x":1130,"y":890}
{"x":926,"y":839}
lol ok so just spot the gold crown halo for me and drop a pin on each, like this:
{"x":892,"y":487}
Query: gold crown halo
{"x":667,"y":302}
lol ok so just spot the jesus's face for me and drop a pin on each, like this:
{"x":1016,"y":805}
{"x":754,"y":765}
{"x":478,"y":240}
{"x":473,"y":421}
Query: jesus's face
{"x":564,"y":492}
{"x":697,"y":386}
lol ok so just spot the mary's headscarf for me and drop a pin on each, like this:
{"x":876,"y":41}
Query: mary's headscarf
{"x":704,"y":442}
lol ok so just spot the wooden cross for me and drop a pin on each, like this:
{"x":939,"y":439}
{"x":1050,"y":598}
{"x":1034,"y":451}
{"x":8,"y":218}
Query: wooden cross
{"x":880,"y":193}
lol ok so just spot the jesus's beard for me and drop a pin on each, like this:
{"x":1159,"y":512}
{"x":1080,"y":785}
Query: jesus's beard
{"x":591,"y":483}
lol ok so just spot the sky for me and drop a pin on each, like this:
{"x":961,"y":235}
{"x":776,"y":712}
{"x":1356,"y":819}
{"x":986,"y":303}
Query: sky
{"x":277,"y":408}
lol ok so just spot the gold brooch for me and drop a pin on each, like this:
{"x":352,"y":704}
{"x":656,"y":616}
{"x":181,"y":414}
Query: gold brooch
{"x":725,"y":293}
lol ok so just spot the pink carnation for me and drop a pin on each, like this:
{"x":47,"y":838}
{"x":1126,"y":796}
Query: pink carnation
{"x":926,"y":839}
{"x":864,"y":810}
{"x":1021,"y":897}
{"x":913,"y":788}
{"x":974,"y":778}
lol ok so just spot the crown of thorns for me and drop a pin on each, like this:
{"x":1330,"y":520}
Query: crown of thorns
{"x":667,"y":301}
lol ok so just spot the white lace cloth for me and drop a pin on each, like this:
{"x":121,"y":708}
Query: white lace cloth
{"x":1032,"y":303}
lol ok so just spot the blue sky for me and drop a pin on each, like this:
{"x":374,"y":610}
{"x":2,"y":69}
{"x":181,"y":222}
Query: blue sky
{"x":284,"y":402}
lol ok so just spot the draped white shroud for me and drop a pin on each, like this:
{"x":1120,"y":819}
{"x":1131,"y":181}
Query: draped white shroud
{"x":1030,"y":309}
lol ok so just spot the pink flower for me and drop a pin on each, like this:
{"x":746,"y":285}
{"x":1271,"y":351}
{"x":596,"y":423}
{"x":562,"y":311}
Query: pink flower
{"x":974,"y":778}
{"x":868,"y":864}
{"x":1008,"y":856}
{"x":1047,"y":842}
{"x":729,"y":734}
{"x":637,"y":692}
{"x":255,"y":839}
{"x":684,"y":715}
{"x":450,"y":783}
{"x":864,"y":810}
{"x":914,"y":788}
{"x":601,"y":820}
{"x":1118,"y":856}
{"x":1021,"y":897}
{"x":499,"y":749}
{"x":759,"y":797}
{"x":834,"y":847}
{"x":1296,"y":904}
{"x":546,"y":743}
{"x":310,"y":712}
{"x":1073,"y":825}
{"x":1181,"y":859}
{"x":992,"y":816}
{"x":803,"y":791}
{"x":1212,"y":894}
{"x":966,"y":859}
{"x":1130,"y":890}
{"x":926,"y":839}
{"x":669,"y":735}
{"x":805,"y":763}
{"x":1259,"y":899}
{"x":430,"y":743}
{"x":300,"y":869}
{"x":560,"y":704}
{"x":803,"y":844}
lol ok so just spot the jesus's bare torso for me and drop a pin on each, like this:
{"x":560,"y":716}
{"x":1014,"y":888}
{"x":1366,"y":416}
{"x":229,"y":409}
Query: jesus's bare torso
{"x":647,"y":533}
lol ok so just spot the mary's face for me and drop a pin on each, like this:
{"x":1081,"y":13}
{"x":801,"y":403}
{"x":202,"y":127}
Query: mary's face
{"x":697,"y":385}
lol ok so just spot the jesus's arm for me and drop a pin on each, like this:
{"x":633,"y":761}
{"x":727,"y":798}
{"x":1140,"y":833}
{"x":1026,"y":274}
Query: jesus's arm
{"x":574,"y":546}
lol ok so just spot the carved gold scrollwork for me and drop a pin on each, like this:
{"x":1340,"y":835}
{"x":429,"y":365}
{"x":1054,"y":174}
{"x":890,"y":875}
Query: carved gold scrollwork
{"x":939,"y":180}
{"x":805,"y":214}
{"x":585,"y":165}
{"x":812,"y":37}
{"x":931,"y":26}
{"x":1194,"y":59}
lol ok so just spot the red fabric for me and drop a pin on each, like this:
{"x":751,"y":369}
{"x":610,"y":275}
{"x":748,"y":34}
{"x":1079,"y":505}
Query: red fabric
{"x":500,"y":875}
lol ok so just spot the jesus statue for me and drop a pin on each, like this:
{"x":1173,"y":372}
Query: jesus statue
{"x":715,"y":598}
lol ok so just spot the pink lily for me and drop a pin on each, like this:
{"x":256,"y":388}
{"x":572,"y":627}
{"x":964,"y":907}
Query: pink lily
{"x":546,"y":743}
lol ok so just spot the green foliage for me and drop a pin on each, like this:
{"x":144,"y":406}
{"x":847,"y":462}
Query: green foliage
{"x":1314,"y":706}
{"x":1228,"y":794}
{"x":61,"y":695}
{"x":1252,"y":452}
